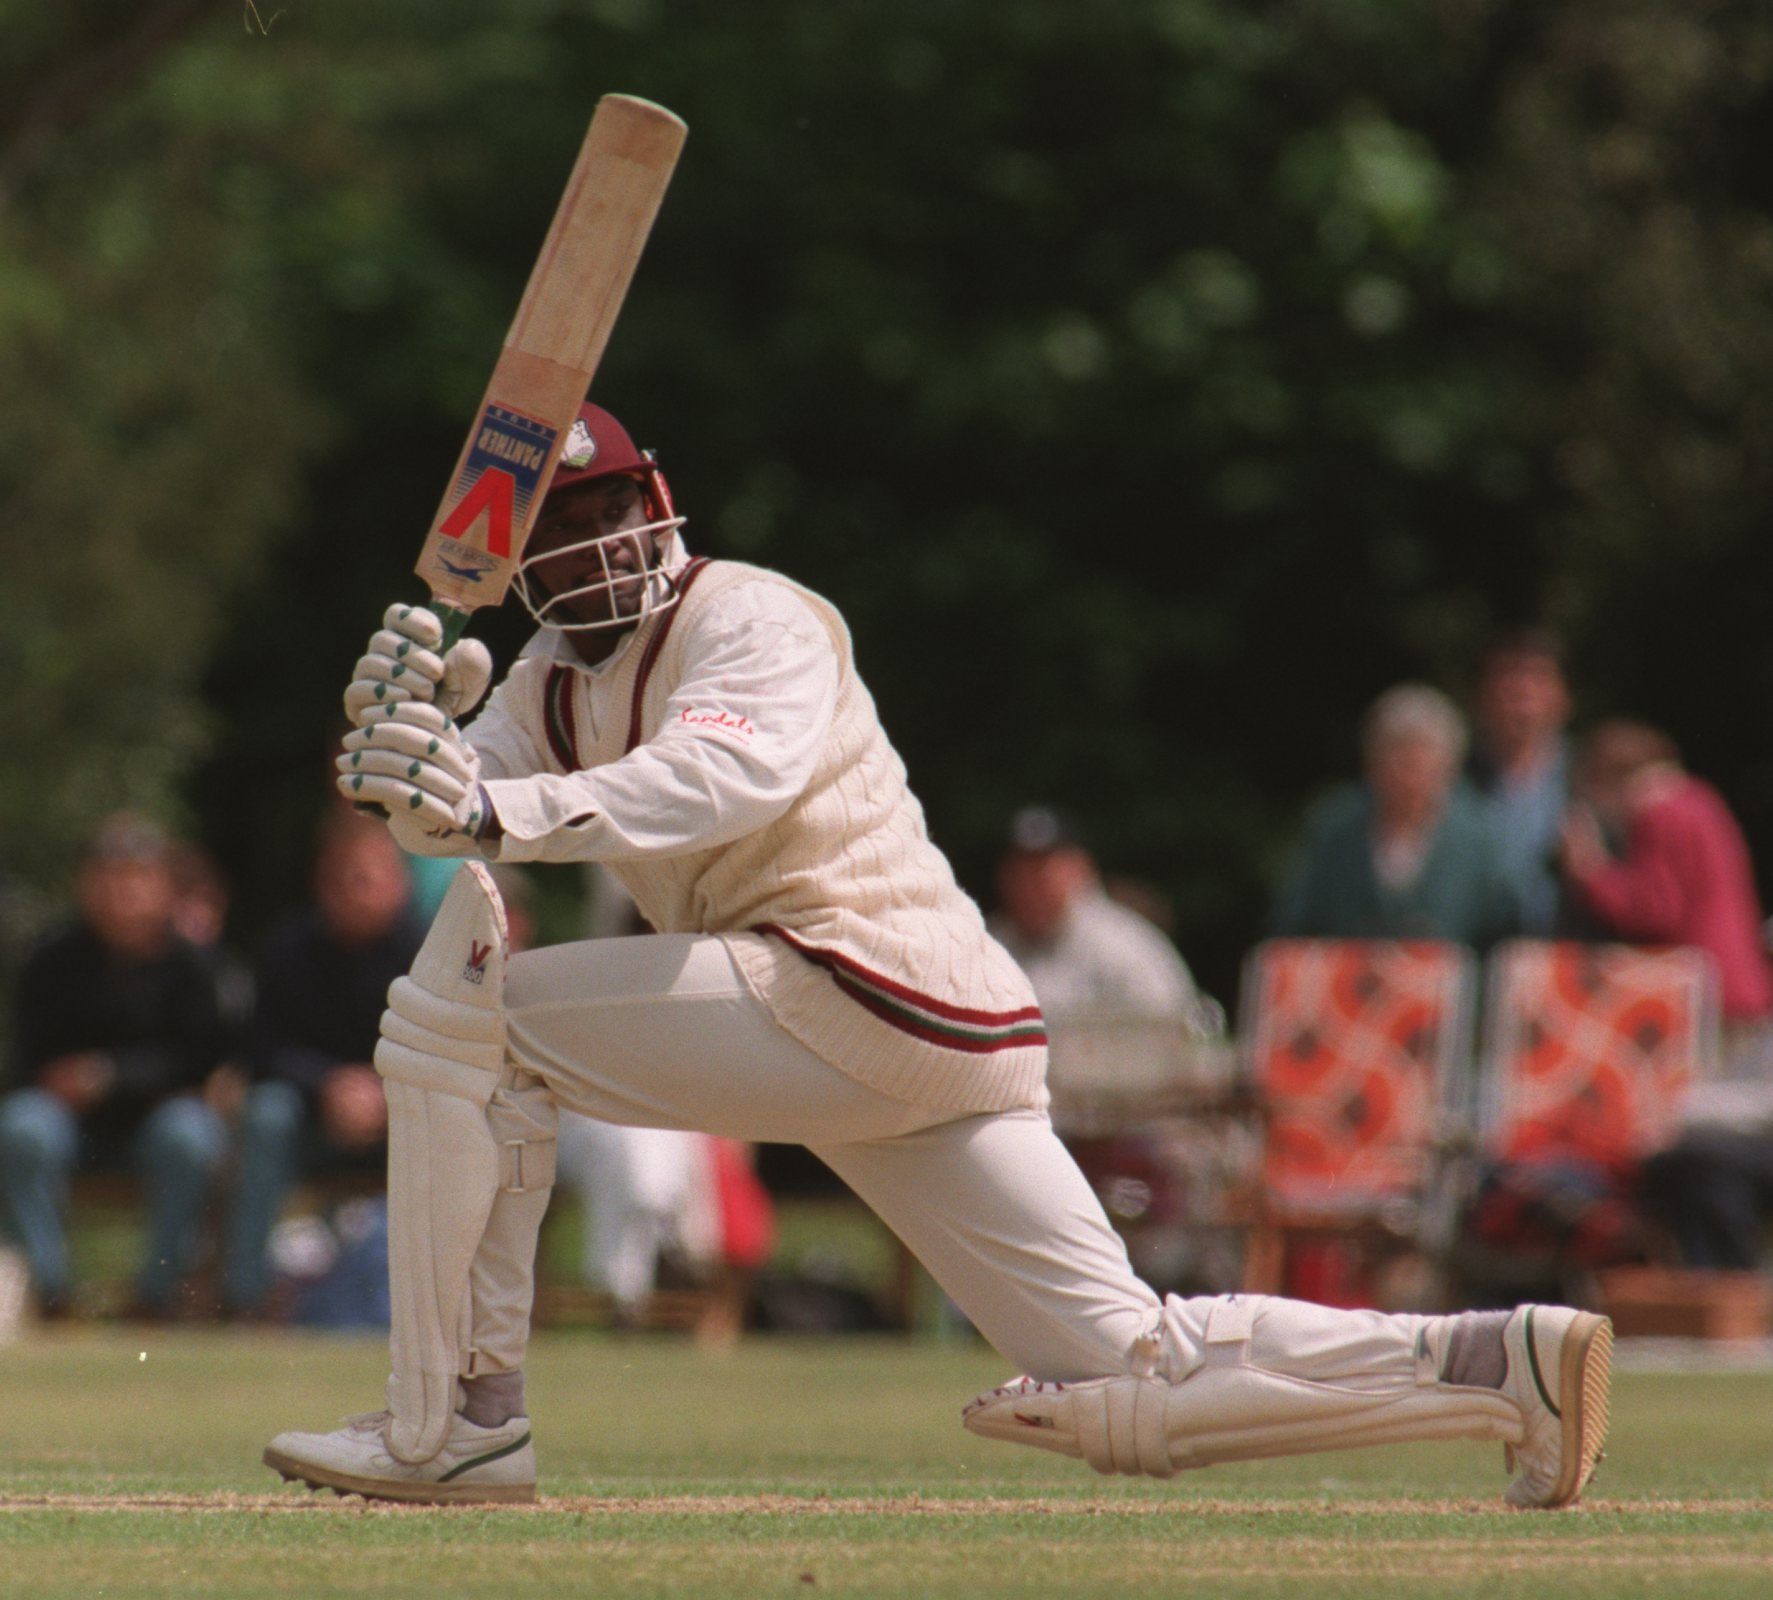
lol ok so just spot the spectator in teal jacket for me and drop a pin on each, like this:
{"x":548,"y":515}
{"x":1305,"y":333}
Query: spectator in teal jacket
{"x":1409,"y":853}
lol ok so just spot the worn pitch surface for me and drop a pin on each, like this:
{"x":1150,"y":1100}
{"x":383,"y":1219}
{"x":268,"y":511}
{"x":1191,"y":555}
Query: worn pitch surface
{"x":129,"y":1466}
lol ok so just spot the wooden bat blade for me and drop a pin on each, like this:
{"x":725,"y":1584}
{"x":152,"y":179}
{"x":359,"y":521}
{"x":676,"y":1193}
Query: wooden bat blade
{"x":557,"y":338}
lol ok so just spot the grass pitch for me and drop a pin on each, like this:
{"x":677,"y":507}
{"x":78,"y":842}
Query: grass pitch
{"x":129,"y":1467}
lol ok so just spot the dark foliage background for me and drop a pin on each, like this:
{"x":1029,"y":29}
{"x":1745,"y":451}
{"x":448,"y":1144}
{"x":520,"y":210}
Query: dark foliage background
{"x":1151,"y":382}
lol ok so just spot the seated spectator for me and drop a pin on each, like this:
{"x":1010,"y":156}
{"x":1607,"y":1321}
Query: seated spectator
{"x":1684,"y":877}
{"x":1713,"y":1192}
{"x":648,"y":1196}
{"x":315,"y":1099}
{"x":1520,"y":763}
{"x":201,"y":898}
{"x":116,"y":1039}
{"x":1408,"y":854}
{"x":1082,"y":951}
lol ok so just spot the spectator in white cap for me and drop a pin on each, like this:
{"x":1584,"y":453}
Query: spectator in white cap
{"x":1081,"y":950}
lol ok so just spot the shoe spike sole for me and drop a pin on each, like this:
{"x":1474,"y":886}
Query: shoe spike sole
{"x":426,"y":1494}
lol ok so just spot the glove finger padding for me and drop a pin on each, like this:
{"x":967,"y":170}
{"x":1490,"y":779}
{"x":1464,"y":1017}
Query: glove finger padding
{"x":467,"y":670}
{"x":400,"y":652}
{"x":400,"y":796}
{"x":411,"y":759}
{"x":449,"y":787}
{"x":401,"y":664}
{"x":412,"y":635}
{"x":365,"y":696}
{"x":402,"y":740}
{"x":417,"y":623}
{"x":417,"y":714}
{"x":380,"y":669}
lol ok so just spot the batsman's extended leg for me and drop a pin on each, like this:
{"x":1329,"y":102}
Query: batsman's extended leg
{"x":998,"y":1212}
{"x":442,"y":1060}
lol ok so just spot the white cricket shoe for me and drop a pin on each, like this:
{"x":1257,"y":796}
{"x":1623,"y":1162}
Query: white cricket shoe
{"x":1560,"y":1371}
{"x":475,"y":1465}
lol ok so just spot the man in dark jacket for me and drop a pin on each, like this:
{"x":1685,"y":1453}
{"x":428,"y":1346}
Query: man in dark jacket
{"x":116,"y":1037}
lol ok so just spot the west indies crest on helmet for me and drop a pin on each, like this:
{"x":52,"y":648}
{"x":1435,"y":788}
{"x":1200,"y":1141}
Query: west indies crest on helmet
{"x":608,"y":576}
{"x":597,"y":446}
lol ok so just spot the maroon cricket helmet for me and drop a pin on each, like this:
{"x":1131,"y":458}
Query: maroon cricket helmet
{"x":598,"y":446}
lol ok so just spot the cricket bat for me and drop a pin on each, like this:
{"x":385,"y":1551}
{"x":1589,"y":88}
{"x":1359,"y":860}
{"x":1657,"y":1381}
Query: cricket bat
{"x":575,"y":292}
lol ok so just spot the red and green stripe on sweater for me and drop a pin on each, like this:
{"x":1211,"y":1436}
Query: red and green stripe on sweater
{"x":934,"y":1021}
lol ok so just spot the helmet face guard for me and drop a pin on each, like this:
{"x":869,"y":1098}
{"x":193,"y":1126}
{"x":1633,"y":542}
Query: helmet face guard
{"x":628,"y":569}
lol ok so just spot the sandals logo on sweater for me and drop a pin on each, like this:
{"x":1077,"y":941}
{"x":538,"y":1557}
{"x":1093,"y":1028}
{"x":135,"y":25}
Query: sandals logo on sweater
{"x":740,"y":729}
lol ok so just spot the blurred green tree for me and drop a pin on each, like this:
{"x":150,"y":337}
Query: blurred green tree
{"x":1151,"y":382}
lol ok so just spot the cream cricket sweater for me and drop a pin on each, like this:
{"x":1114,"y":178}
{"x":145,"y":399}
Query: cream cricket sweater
{"x":728,"y":765}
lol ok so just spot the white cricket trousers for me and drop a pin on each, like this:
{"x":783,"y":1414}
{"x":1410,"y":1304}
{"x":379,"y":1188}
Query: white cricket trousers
{"x":664,"y":1031}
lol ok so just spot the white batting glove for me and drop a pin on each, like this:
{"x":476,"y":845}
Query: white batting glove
{"x":412,"y":761}
{"x":401,"y":664}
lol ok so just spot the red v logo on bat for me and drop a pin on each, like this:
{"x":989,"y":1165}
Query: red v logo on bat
{"x":495,"y":493}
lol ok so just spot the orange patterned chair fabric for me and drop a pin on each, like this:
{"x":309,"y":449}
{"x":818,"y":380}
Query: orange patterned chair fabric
{"x":1590,"y":1049}
{"x":1353,"y":1045}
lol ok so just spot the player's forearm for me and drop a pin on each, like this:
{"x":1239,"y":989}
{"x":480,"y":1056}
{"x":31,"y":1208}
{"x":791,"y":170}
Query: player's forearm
{"x":740,"y":739}
{"x":655,"y":803}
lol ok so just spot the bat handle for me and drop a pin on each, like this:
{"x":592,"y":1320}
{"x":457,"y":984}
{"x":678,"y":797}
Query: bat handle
{"x":455,"y":623}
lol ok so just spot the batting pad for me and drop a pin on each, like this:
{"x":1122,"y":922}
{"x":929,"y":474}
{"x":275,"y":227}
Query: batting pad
{"x":1232,"y":1409}
{"x":441,"y":1055}
{"x":501,"y":1282}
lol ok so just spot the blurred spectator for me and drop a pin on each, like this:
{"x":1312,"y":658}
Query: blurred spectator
{"x":431,"y":877}
{"x":1521,"y":764}
{"x":1082,"y":951}
{"x":648,"y":1196}
{"x":315,"y":1100}
{"x":1684,"y":877}
{"x":1713,"y":1191}
{"x":1408,"y":854}
{"x":201,"y":898}
{"x":519,"y":896}
{"x":21,"y":920}
{"x":116,"y":1039}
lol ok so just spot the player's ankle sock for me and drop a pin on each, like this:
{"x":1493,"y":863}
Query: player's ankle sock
{"x":1476,"y":1358}
{"x":493,"y":1398}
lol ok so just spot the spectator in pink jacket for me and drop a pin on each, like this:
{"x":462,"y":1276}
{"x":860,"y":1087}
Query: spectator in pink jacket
{"x":1684,"y":877}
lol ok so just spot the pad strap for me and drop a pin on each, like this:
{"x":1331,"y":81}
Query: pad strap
{"x":526,"y":1165}
{"x":1121,"y":1426}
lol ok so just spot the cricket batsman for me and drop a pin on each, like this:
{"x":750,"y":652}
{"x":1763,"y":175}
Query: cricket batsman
{"x":817,"y":977}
